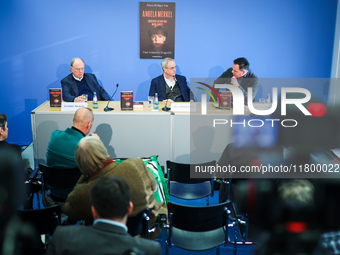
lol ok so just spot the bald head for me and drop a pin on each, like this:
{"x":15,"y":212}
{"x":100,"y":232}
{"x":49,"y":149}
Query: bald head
{"x":83,"y":120}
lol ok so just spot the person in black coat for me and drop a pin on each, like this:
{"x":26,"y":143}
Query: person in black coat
{"x":110,"y":204}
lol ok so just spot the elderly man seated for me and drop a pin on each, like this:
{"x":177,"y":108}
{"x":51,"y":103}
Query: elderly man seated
{"x":94,"y":162}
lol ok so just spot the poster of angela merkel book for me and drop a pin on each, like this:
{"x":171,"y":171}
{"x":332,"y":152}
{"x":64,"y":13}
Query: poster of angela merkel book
{"x":157,"y":30}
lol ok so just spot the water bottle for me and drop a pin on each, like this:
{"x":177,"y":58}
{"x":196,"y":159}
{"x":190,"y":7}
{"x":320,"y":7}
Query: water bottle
{"x":95,"y":101}
{"x":269,"y":99}
{"x":155,"y":102}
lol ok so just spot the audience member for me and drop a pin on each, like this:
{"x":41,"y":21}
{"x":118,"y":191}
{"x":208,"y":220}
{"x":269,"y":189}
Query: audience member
{"x":110,"y":203}
{"x":240,"y":76}
{"x":4,"y":135}
{"x":170,"y":86}
{"x":62,"y":146}
{"x":78,"y":83}
{"x":94,"y":161}
{"x":16,"y":236}
{"x":293,"y":231}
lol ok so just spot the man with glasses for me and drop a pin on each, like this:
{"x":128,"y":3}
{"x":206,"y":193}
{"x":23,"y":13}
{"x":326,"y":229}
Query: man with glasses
{"x":79,"y":83}
{"x":241,"y":76}
{"x":170,"y":86}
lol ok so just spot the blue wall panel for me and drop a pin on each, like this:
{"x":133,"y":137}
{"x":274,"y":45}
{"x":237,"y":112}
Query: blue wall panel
{"x":281,"y":39}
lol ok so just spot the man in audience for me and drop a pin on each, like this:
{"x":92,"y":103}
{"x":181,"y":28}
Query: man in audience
{"x":78,"y":83}
{"x":170,"y":86}
{"x":62,"y":146}
{"x":240,"y":76}
{"x":111,"y":204}
{"x":94,"y":162}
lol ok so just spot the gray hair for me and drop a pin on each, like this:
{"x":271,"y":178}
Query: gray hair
{"x":166,"y":61}
{"x":74,"y":59}
{"x":90,"y":155}
{"x":297,"y":191}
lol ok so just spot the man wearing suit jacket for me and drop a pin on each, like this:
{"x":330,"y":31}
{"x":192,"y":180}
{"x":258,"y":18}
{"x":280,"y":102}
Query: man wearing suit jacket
{"x":78,"y":83}
{"x":170,"y":86}
{"x":110,"y":204}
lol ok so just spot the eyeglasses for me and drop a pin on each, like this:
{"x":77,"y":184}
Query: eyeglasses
{"x":171,"y":68}
{"x":78,"y":69}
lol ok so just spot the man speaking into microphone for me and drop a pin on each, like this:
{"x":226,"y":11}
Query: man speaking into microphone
{"x":79,"y":83}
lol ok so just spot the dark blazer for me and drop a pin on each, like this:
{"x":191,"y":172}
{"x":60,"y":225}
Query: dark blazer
{"x":158,"y":86}
{"x":70,"y":88}
{"x":16,"y":148}
{"x":101,"y":238}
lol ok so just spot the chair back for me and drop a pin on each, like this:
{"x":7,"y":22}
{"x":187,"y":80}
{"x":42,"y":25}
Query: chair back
{"x":62,"y":180}
{"x":198,"y":218}
{"x":182,"y":186}
{"x":45,"y":220}
{"x":197,"y":228}
{"x":139,"y":224}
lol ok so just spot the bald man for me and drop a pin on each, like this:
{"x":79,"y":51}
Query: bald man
{"x":61,"y":148}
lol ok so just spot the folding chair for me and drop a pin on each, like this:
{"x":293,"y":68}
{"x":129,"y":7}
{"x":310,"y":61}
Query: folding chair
{"x":182,"y":186}
{"x":139,"y":224}
{"x":45,"y":220}
{"x":197,"y":228}
{"x":59,"y":180}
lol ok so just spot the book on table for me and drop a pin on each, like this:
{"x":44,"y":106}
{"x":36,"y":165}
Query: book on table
{"x":126,"y":100}
{"x":55,"y":97}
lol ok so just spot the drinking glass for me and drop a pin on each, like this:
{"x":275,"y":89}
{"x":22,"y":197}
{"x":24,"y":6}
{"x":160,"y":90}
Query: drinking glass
{"x":85,"y":97}
{"x":150,"y":99}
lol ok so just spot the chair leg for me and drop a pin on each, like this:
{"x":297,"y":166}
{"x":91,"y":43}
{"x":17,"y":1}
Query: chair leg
{"x":235,"y":241}
{"x":218,"y":250}
{"x":38,"y":200}
{"x":166,"y":249}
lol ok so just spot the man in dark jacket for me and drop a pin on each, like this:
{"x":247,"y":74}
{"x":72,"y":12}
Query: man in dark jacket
{"x":110,"y":204}
{"x":79,"y":83}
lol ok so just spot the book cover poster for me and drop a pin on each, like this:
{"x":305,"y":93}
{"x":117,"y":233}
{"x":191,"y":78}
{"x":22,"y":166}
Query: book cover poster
{"x":55,"y":97}
{"x":126,"y":100}
{"x":157,"y":30}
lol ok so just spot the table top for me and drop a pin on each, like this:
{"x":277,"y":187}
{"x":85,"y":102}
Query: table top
{"x":195,"y":108}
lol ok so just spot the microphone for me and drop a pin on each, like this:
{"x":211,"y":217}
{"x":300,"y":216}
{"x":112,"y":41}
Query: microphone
{"x":107,"y":108}
{"x":165,"y":108}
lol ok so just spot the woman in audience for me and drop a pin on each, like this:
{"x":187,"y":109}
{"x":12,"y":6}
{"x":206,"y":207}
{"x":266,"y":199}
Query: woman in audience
{"x":4,"y":135}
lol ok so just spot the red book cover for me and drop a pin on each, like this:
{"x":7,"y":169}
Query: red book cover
{"x":126,"y":100}
{"x":226,"y":100}
{"x":55,"y":97}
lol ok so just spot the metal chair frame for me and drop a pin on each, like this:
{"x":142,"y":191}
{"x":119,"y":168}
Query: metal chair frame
{"x":182,"y":186}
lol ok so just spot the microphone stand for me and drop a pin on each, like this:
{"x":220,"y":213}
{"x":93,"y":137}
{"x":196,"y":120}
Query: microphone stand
{"x":107,"y":108}
{"x":165,"y":108}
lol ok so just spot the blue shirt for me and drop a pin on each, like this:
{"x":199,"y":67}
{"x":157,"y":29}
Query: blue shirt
{"x":112,"y":222}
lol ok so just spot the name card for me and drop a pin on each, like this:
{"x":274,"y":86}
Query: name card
{"x":183,"y":107}
{"x":72,"y":106}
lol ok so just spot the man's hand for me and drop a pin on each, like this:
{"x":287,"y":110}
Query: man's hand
{"x":94,"y":135}
{"x":234,"y":81}
{"x":169,"y":100}
{"x":79,"y":99}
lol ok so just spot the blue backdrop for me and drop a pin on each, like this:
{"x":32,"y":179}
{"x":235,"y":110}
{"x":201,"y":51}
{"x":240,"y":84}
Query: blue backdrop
{"x":281,"y":39}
